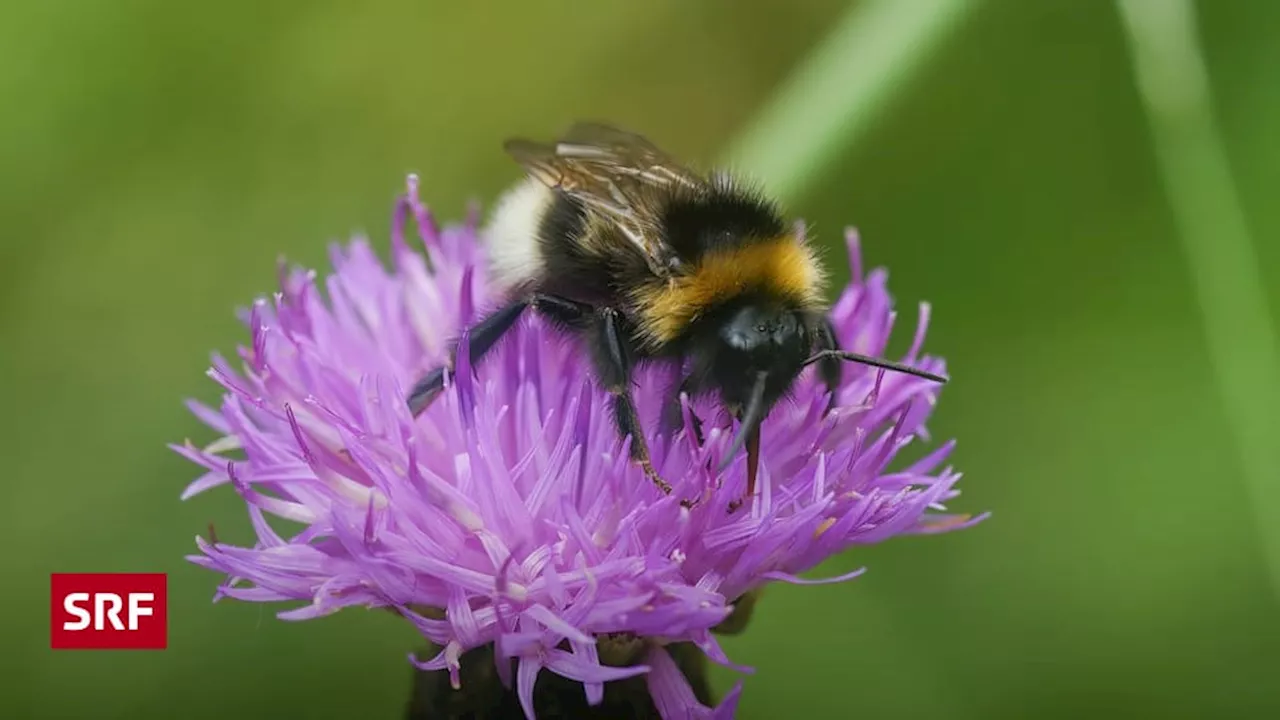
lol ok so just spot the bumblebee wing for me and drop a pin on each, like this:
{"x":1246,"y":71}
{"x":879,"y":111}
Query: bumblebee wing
{"x":610,"y":171}
{"x":630,"y":154}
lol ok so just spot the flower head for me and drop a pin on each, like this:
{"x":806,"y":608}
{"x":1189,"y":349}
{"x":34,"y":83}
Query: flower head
{"x":509,"y":513}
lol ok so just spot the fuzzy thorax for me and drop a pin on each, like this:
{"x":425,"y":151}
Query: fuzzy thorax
{"x":784,"y":268}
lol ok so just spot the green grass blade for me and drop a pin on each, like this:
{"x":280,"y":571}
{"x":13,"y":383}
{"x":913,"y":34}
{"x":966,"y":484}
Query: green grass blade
{"x":1175,"y":89}
{"x":831,"y":99}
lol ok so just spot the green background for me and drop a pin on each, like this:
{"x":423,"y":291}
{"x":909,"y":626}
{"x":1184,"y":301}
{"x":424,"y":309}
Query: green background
{"x":156,"y":157}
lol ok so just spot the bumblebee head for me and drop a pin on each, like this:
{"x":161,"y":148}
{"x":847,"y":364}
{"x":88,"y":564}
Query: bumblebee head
{"x":749,"y":351}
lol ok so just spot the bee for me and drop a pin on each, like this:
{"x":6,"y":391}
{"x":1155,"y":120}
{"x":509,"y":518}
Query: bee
{"x":646,"y":260}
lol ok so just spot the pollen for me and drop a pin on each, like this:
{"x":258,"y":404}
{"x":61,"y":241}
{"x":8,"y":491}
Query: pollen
{"x":950,"y":523}
{"x":824,"y":526}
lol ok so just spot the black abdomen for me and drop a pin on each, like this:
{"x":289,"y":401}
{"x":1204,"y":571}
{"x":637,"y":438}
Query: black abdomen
{"x":589,"y":269}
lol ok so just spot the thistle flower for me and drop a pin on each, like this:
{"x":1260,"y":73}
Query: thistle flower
{"x":508,"y":516}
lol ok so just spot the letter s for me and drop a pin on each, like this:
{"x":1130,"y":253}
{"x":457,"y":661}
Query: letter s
{"x":69,"y":604}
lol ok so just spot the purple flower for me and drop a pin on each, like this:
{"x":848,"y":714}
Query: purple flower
{"x":509,"y":513}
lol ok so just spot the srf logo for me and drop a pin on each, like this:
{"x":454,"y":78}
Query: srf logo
{"x":109,"y":611}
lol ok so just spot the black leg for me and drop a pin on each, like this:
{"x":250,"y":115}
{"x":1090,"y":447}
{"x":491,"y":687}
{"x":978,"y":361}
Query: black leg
{"x":829,"y":368}
{"x":613,"y":360}
{"x":486,"y":333}
{"x":673,"y":413}
{"x":568,"y":314}
{"x":613,"y":357}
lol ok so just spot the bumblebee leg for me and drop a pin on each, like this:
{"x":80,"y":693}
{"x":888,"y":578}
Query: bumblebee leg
{"x":481,"y":339}
{"x":567,"y":314}
{"x":829,"y":369}
{"x":613,"y":356}
{"x":486,"y":333}
{"x":673,"y":413}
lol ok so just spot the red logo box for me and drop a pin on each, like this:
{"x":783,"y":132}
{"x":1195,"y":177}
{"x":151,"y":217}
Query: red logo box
{"x":109,"y":611}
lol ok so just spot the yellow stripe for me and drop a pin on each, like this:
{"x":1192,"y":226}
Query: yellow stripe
{"x":784,"y":268}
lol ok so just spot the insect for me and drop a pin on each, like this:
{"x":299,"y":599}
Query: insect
{"x":645,"y":260}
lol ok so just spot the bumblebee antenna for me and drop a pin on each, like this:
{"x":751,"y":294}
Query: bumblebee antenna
{"x":873,"y":362}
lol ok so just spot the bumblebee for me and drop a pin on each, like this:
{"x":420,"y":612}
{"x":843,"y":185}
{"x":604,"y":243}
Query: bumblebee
{"x":646,"y":260}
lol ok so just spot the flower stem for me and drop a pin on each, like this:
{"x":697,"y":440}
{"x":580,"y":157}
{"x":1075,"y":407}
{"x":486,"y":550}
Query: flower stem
{"x":830,"y":101}
{"x":1174,"y":86}
{"x":482,"y":695}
